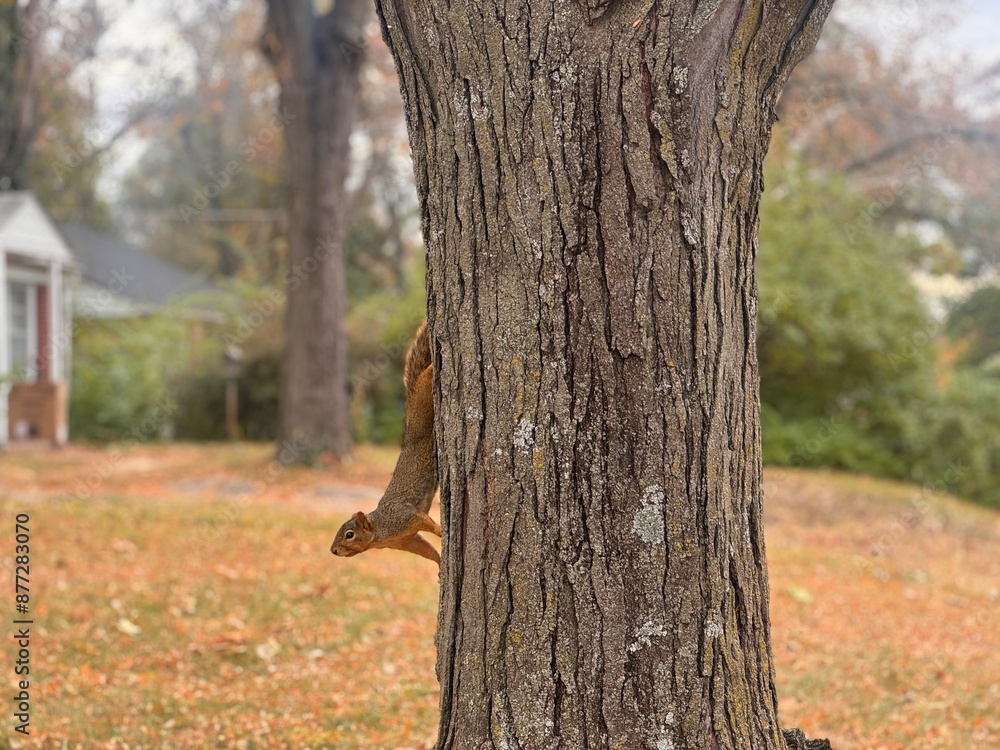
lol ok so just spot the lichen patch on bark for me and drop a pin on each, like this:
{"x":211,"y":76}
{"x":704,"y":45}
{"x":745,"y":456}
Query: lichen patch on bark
{"x":648,"y":521}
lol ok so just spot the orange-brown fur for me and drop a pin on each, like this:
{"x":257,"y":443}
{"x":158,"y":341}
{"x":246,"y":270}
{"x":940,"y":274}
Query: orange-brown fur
{"x":402,"y":512}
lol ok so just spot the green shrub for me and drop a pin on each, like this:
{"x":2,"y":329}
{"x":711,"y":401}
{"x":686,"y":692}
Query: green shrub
{"x":848,"y":354}
{"x":253,"y":322}
{"x":975,"y":323}
{"x":961,"y":438}
{"x":944,"y":437}
{"x":121,"y":375}
{"x":838,"y":313}
{"x":201,"y":413}
{"x":380,"y":329}
{"x":814,"y":442}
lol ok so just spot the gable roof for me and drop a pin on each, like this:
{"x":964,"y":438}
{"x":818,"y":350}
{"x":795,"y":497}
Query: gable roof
{"x":26,"y":229}
{"x":10,"y":203}
{"x":143,"y":277}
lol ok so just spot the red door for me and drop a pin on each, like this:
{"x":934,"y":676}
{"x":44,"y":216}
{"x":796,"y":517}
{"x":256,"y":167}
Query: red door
{"x":43,"y":333}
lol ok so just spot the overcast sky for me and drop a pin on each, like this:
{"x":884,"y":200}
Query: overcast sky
{"x":981,"y":29}
{"x":974,"y":28}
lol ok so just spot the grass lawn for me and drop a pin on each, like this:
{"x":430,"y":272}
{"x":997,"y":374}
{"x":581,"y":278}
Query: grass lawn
{"x":185,"y":597}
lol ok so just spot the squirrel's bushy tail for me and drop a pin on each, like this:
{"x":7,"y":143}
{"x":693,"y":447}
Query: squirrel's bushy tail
{"x":418,"y":358}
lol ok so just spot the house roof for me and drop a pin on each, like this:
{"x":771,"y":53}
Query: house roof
{"x":10,"y":203}
{"x":139,"y":276}
{"x":27,"y":230}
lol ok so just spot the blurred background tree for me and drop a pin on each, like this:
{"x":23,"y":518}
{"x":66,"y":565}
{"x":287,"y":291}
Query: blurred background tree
{"x":20,"y":53}
{"x":909,"y":120}
{"x":975,"y":324}
{"x":206,"y":191}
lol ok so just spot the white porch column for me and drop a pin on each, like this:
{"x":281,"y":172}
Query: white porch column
{"x":66,"y":342}
{"x":4,"y":348}
{"x":57,"y":348}
{"x":56,"y":324}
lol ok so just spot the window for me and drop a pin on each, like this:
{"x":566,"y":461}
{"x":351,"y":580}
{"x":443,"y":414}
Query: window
{"x":22,"y":318}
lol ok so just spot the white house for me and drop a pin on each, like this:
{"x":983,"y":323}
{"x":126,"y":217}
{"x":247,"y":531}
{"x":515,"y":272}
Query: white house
{"x":35,"y":323}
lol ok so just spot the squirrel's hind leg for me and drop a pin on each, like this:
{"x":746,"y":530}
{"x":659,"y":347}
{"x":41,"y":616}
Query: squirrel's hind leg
{"x":420,"y":546}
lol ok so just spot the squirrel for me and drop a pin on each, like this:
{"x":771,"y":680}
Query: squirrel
{"x":402,"y":511}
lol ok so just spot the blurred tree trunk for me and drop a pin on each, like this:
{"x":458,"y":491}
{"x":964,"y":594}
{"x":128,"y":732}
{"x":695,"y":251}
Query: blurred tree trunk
{"x":20,"y":39}
{"x":317,"y":60}
{"x":589,"y":174}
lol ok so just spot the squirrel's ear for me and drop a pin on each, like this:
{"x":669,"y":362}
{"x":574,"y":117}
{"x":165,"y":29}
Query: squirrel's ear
{"x":362,"y":522}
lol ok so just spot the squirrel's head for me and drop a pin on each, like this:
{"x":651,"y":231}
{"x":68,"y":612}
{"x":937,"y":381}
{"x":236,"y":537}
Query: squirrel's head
{"x":356,"y":535}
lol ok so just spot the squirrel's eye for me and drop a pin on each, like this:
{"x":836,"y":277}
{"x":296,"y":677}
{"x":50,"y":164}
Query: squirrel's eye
{"x":349,"y":535}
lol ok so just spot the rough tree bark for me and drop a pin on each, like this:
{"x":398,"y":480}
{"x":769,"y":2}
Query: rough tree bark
{"x":20,"y":42}
{"x":589,"y":173}
{"x":317,"y":60}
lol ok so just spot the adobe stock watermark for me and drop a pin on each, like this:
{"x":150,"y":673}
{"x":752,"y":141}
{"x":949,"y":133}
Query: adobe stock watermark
{"x":29,"y":27}
{"x":903,"y":11}
{"x":349,"y":48}
{"x":61,"y":341}
{"x":373,"y":367}
{"x":266,"y":306}
{"x":979,"y":622}
{"x":920,"y":508}
{"x":250,"y":149}
{"x":912,"y":171}
{"x":289,"y":452}
{"x":784,"y":300}
{"x":816,"y":97}
{"x":141,"y":92}
{"x":224,"y":9}
{"x":148,"y":429}
{"x":827,"y":431}
{"x":915,"y":343}
{"x":89,"y":145}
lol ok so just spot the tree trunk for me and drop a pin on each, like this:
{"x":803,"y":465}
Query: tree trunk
{"x":589,"y":174}
{"x":317,"y":61}
{"x":20,"y":42}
